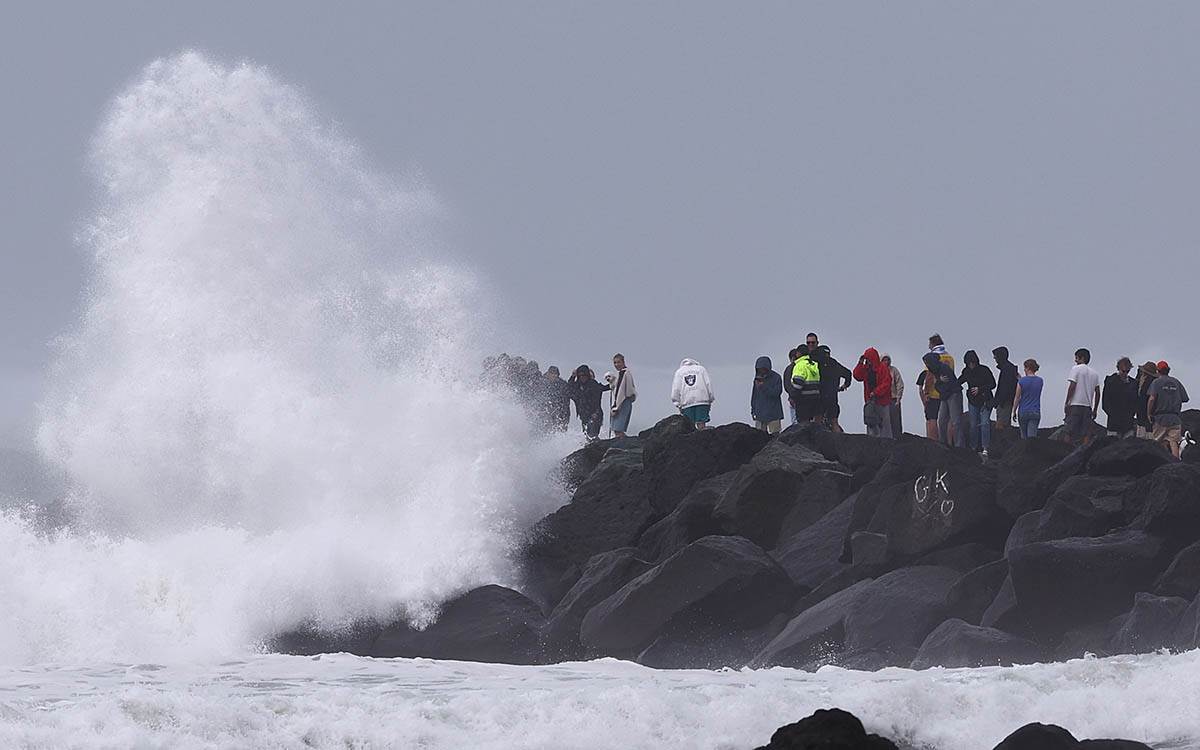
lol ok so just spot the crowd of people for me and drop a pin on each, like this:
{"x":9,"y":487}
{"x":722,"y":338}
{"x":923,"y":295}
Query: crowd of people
{"x":1147,"y":405}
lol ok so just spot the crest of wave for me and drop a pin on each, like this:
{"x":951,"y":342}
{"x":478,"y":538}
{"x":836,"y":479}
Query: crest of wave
{"x":268,"y":411}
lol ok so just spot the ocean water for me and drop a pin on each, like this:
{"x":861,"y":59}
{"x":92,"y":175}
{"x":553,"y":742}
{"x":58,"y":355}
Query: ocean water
{"x":266,"y":415}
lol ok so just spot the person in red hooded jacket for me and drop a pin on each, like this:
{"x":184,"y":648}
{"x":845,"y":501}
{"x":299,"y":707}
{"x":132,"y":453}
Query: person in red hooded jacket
{"x":876,"y":378}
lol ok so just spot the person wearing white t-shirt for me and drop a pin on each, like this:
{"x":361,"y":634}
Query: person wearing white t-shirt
{"x":1083,"y":398}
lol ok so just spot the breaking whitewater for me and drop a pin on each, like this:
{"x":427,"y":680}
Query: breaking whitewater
{"x":263,"y":419}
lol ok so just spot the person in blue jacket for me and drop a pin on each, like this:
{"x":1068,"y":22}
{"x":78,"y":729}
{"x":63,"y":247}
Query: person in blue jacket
{"x":766,"y":404}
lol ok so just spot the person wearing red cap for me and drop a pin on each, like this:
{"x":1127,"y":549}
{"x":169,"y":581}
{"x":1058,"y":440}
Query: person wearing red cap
{"x":1167,"y":397}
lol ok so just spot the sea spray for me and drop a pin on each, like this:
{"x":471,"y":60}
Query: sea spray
{"x":269,"y":410}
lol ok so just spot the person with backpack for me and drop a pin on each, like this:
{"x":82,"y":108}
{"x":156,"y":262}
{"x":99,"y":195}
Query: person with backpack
{"x":1028,"y":400}
{"x":624,"y":393}
{"x":929,"y":400}
{"x":981,"y":385}
{"x":1120,"y":400}
{"x":876,"y":378}
{"x":586,"y":393}
{"x":835,"y":378}
{"x":806,"y":384}
{"x":692,"y":393}
{"x":1006,"y":387}
{"x":950,"y":409}
{"x":766,"y":406}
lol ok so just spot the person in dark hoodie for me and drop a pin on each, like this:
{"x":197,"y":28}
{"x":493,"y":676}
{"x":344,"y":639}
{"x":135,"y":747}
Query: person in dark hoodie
{"x":981,"y":386}
{"x":555,"y":400}
{"x":835,"y":378}
{"x":586,"y":393}
{"x":790,"y":389}
{"x":1006,"y":387}
{"x":1147,"y":374}
{"x":939,"y":379}
{"x":766,"y":405}
{"x":876,"y":378}
{"x":1120,"y":400}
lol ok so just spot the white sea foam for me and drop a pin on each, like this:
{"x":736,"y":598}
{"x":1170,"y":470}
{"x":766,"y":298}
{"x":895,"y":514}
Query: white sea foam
{"x":342,"y":701}
{"x":268,"y":410}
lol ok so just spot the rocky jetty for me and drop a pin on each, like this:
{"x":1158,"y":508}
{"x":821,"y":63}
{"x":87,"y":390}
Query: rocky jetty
{"x":726,"y":547}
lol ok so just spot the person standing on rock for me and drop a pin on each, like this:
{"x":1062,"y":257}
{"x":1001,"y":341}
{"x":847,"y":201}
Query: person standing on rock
{"x":929,"y":400}
{"x":806,"y":384}
{"x":586,"y":393}
{"x":1006,"y":387}
{"x":790,"y":389}
{"x":835,"y":378}
{"x":811,"y":343}
{"x":980,"y":385}
{"x":556,"y":401}
{"x":876,"y":378}
{"x":1083,"y":399}
{"x":623,"y":395}
{"x":766,"y":404}
{"x":1120,"y":400}
{"x":1028,"y":400}
{"x":1147,"y":374}
{"x":1167,"y":397}
{"x":897,"y":396}
{"x":692,"y":393}
{"x":949,"y":394}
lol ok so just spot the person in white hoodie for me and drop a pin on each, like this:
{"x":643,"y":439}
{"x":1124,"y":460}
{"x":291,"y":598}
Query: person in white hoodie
{"x":692,"y":392}
{"x":624,"y":393}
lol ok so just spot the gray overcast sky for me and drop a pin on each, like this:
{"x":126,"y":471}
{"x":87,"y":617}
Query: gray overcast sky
{"x":695,"y":179}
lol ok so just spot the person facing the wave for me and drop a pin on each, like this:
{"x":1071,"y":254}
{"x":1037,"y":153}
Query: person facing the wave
{"x":556,"y":401}
{"x":766,"y":398}
{"x":897,"y":395}
{"x":981,"y":384}
{"x":1028,"y":400}
{"x":806,"y":384}
{"x":1167,"y":397}
{"x":835,"y":378}
{"x":1120,"y":400}
{"x":623,"y":395}
{"x":586,"y":393}
{"x":1006,"y":387}
{"x":1083,"y":399}
{"x":876,"y":378}
{"x":692,"y":393}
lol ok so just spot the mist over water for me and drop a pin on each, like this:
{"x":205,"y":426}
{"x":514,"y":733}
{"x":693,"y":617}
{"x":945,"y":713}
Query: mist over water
{"x":268,"y":411}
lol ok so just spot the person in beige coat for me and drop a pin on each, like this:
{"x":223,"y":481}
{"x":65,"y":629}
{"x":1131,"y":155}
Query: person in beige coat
{"x":897,"y":395}
{"x":624,"y":393}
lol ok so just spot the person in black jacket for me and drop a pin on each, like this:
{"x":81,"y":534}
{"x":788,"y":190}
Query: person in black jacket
{"x":1006,"y":387}
{"x":1147,"y":374}
{"x":586,"y":393}
{"x":788,"y":388}
{"x":1120,"y":400}
{"x":981,"y":385}
{"x":835,"y":378}
{"x":766,"y":408}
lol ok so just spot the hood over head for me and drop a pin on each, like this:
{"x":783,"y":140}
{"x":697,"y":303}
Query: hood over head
{"x":762,"y":363}
{"x":872,"y":355}
{"x":931,"y":360}
{"x":688,"y":361}
{"x":971,"y":358}
{"x":1000,"y":353}
{"x":939,"y":349}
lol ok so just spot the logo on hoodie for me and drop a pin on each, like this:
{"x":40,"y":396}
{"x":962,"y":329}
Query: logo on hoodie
{"x":690,"y":379}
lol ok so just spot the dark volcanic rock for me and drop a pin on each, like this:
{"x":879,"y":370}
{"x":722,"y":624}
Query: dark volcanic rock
{"x":1150,"y":625}
{"x":1187,"y":630}
{"x":1065,"y":583}
{"x":963,"y":558}
{"x":608,"y":511}
{"x":768,"y":488}
{"x":814,"y":636}
{"x":1020,"y":483}
{"x":692,"y":519}
{"x":697,"y":643}
{"x":1182,"y":578}
{"x":1082,"y":506}
{"x":811,"y":556}
{"x":603,"y":576}
{"x":675,"y":467}
{"x":308,"y":640}
{"x":718,"y":581}
{"x":971,"y":595}
{"x":489,"y":624}
{"x":868,"y":548}
{"x":899,"y":609}
{"x":576,"y":467}
{"x":662,"y":434}
{"x":827,"y":729}
{"x":955,"y":643}
{"x":1004,"y":613}
{"x":1132,"y":457}
{"x":1053,"y":737}
{"x":1023,"y":531}
{"x":1170,"y":503}
{"x":824,"y":488}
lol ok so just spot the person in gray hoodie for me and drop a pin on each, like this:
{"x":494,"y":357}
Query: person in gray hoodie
{"x":692,"y":392}
{"x":766,"y":405}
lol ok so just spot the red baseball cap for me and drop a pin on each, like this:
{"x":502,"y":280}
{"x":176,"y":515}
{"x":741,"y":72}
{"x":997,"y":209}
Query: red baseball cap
{"x":1162,"y":365}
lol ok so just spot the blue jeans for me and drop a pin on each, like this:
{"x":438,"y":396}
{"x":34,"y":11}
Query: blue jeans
{"x":981,"y":426}
{"x":1027,"y":423}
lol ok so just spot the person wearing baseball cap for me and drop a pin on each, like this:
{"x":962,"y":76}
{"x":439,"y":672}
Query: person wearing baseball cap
{"x":1147,"y":374}
{"x":1167,"y":397}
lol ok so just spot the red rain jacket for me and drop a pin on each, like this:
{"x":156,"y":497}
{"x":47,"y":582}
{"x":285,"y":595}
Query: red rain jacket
{"x":874,"y":373}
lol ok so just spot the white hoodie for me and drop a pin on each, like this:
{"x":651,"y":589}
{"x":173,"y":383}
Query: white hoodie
{"x":692,"y":386}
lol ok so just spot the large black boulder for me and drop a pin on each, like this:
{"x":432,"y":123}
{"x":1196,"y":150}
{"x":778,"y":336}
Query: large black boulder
{"x":575,"y":468}
{"x":1150,"y":625}
{"x":768,"y":489}
{"x":1187,"y":630}
{"x":1004,"y":612}
{"x":692,"y":519}
{"x":962,"y":557}
{"x":1132,"y":457}
{"x":608,"y":511}
{"x":1065,"y":583}
{"x":824,"y":488}
{"x":813,"y":637}
{"x":713,"y":582}
{"x":1182,"y":577}
{"x":971,"y":595}
{"x":655,"y":439}
{"x":1021,"y":482}
{"x":487,"y":624}
{"x":603,"y":576}
{"x":1053,"y":737}
{"x":675,"y":466}
{"x":698,"y":642}
{"x":811,"y":555}
{"x":895,"y":612}
{"x":1082,"y":506}
{"x":955,"y":643}
{"x":827,"y":729}
{"x":309,"y":639}
{"x":1170,"y":503}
